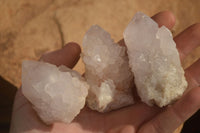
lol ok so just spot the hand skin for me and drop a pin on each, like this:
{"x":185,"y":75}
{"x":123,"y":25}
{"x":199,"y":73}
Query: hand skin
{"x":138,"y":118}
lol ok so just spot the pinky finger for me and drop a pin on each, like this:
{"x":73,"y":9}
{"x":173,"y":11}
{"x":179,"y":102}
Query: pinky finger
{"x":193,"y":75}
{"x":174,"y":115}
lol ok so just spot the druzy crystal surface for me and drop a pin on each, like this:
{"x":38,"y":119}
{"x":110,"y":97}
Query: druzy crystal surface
{"x":154,"y":60}
{"x":56,"y":93}
{"x":107,"y":71}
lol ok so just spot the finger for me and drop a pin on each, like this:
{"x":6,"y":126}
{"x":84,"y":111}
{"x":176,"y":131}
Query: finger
{"x":193,"y":75}
{"x":123,"y":129}
{"x":165,"y":18}
{"x":188,"y":40}
{"x":173,"y":116}
{"x":68,"y":55}
{"x":133,"y":115}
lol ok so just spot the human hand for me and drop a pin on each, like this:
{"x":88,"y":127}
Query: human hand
{"x":138,"y":118}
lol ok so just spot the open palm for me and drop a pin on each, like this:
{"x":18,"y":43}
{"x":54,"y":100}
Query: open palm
{"x":138,"y":118}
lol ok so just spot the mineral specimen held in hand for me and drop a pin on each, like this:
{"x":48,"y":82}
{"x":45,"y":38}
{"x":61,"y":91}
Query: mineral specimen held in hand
{"x":154,"y":60}
{"x":107,"y":71}
{"x":57,"y":93}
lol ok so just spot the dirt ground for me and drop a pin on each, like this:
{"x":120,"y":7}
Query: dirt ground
{"x":28,"y":28}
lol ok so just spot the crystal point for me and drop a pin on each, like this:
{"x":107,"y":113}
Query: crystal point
{"x":56,"y":93}
{"x":154,"y":60}
{"x":107,"y":71}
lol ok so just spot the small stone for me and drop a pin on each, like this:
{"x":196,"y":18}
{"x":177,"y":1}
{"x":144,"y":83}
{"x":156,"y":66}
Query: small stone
{"x":107,"y":71}
{"x":56,"y":93}
{"x":154,"y":60}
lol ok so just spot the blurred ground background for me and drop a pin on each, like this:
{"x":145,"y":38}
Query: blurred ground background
{"x":28,"y":28}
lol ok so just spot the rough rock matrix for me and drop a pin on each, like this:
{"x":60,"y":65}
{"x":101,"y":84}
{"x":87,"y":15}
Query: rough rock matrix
{"x":57,"y":93}
{"x":154,"y":60}
{"x":107,"y":71}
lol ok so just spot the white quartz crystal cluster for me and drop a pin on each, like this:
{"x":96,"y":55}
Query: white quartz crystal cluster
{"x":154,"y":60}
{"x":107,"y":71}
{"x":57,"y":93}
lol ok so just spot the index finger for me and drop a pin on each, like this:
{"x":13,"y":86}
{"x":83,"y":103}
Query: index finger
{"x":68,"y":55}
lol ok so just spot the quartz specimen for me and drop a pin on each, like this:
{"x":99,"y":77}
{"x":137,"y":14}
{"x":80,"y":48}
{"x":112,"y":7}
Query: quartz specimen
{"x":107,"y":71}
{"x":154,"y":60}
{"x":56,"y":93}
